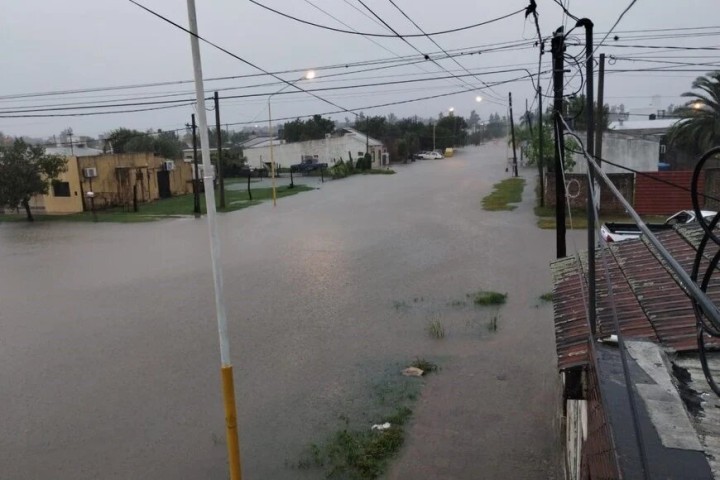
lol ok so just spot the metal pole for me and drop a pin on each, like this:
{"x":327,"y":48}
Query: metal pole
{"x":512,"y":132}
{"x":196,"y":187}
{"x":221,"y":180}
{"x":558,"y":48}
{"x":228,"y":386}
{"x":272,"y":157}
{"x":590,"y":148}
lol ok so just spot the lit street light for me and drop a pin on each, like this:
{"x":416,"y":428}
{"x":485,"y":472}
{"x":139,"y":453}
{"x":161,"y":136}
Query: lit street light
{"x":309,"y":75}
{"x":478,"y":99}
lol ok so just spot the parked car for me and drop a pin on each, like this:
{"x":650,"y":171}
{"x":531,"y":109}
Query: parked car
{"x":307,"y":166}
{"x":431,"y":155}
{"x":616,"y":232}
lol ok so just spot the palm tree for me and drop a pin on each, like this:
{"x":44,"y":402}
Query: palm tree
{"x":700,"y":124}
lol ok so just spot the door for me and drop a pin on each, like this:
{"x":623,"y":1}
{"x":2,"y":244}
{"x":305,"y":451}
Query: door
{"x":163,"y":179}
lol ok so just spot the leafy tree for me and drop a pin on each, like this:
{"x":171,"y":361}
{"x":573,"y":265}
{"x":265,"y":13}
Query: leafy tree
{"x":164,"y":144}
{"x":313,"y":128}
{"x":574,"y":110}
{"x":26,"y":170}
{"x":548,"y":157}
{"x":699,"y":128}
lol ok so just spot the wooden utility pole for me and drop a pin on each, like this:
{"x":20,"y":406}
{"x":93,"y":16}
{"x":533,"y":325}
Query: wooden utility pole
{"x":219,"y":162}
{"x":512,"y":132}
{"x":590,"y":148}
{"x":541,"y":158}
{"x":196,"y":186}
{"x":600,"y":120}
{"x":558,"y":50}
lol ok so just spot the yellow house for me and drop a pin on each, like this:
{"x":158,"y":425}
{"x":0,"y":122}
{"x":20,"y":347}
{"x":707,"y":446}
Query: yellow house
{"x":122,"y":179}
{"x":65,"y":194}
{"x":116,"y":180}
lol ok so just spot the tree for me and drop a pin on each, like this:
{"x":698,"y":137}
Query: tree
{"x":313,"y":128}
{"x":700,"y":124}
{"x":548,"y":158}
{"x":574,"y":111}
{"x":26,"y":170}
{"x":164,"y":144}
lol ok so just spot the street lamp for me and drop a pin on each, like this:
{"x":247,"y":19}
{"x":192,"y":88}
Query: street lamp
{"x":309,"y":75}
{"x":478,"y":99}
{"x":451,"y":110}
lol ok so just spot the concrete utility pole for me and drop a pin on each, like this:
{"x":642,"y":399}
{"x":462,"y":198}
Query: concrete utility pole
{"x":221,"y":180}
{"x":512,"y":132}
{"x":228,"y":385}
{"x":558,"y":50}
{"x":590,"y":148}
{"x":196,"y":179}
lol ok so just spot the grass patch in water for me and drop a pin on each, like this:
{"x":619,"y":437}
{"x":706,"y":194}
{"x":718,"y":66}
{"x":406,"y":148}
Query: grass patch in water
{"x":504,"y":193}
{"x":486,"y":297}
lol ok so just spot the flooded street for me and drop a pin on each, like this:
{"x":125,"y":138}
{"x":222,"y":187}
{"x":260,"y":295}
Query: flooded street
{"x":109,"y":361}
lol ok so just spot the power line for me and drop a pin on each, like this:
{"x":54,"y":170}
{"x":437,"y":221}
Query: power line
{"x":438,"y":45}
{"x":413,"y":46}
{"x":342,"y":110}
{"x":263,"y":94}
{"x":613,"y":27}
{"x":384,"y":35}
{"x":247,"y":62}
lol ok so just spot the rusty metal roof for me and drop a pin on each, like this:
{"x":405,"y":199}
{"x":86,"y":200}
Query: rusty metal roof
{"x":650,"y":303}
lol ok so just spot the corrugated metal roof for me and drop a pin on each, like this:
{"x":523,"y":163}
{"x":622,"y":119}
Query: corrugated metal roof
{"x":649,"y":301}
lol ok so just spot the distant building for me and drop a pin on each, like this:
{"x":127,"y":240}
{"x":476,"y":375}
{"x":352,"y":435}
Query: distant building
{"x":77,"y":149}
{"x":344,"y":144}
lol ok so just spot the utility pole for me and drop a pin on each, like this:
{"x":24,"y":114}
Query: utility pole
{"x":226,"y":369}
{"x":433,"y":137}
{"x":196,"y":186}
{"x":512,"y":132}
{"x":600,"y":122}
{"x":558,"y":50}
{"x":590,"y":148}
{"x":541,"y":158}
{"x":221,"y":180}
{"x":367,"y":138}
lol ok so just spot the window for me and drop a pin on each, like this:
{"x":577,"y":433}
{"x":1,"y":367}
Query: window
{"x":663,"y":148}
{"x":61,"y":189}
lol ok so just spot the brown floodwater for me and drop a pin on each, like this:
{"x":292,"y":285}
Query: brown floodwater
{"x":109,"y":362}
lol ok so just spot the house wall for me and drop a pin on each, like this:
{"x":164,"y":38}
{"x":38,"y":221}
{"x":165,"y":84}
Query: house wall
{"x":51,"y":203}
{"x":653,"y":197}
{"x":119,"y":174}
{"x":639,"y":154}
{"x":328,"y":151}
{"x":576,"y":185}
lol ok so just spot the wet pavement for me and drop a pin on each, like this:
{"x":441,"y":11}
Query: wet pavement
{"x":109,"y":363}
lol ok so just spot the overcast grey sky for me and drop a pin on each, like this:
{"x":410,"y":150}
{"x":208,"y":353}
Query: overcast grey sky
{"x":76,"y":44}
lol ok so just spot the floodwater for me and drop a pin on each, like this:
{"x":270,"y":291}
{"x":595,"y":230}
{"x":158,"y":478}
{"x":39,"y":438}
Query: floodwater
{"x":109,"y":363}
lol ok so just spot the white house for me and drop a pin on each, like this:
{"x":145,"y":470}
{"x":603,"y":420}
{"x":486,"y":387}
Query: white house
{"x":344,"y":143}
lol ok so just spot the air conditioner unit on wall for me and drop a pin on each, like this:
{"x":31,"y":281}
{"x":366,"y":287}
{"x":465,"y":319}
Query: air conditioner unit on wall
{"x":168,"y":165}
{"x":90,"y":172}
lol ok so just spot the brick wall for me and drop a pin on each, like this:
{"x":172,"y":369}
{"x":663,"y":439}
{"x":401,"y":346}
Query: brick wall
{"x":577,"y":189}
{"x":656,"y":198}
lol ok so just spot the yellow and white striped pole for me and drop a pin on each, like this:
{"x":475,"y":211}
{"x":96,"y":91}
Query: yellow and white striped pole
{"x":228,"y":387}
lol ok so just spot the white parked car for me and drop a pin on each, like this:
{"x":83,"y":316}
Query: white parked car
{"x":616,"y":232}
{"x":431,"y":155}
